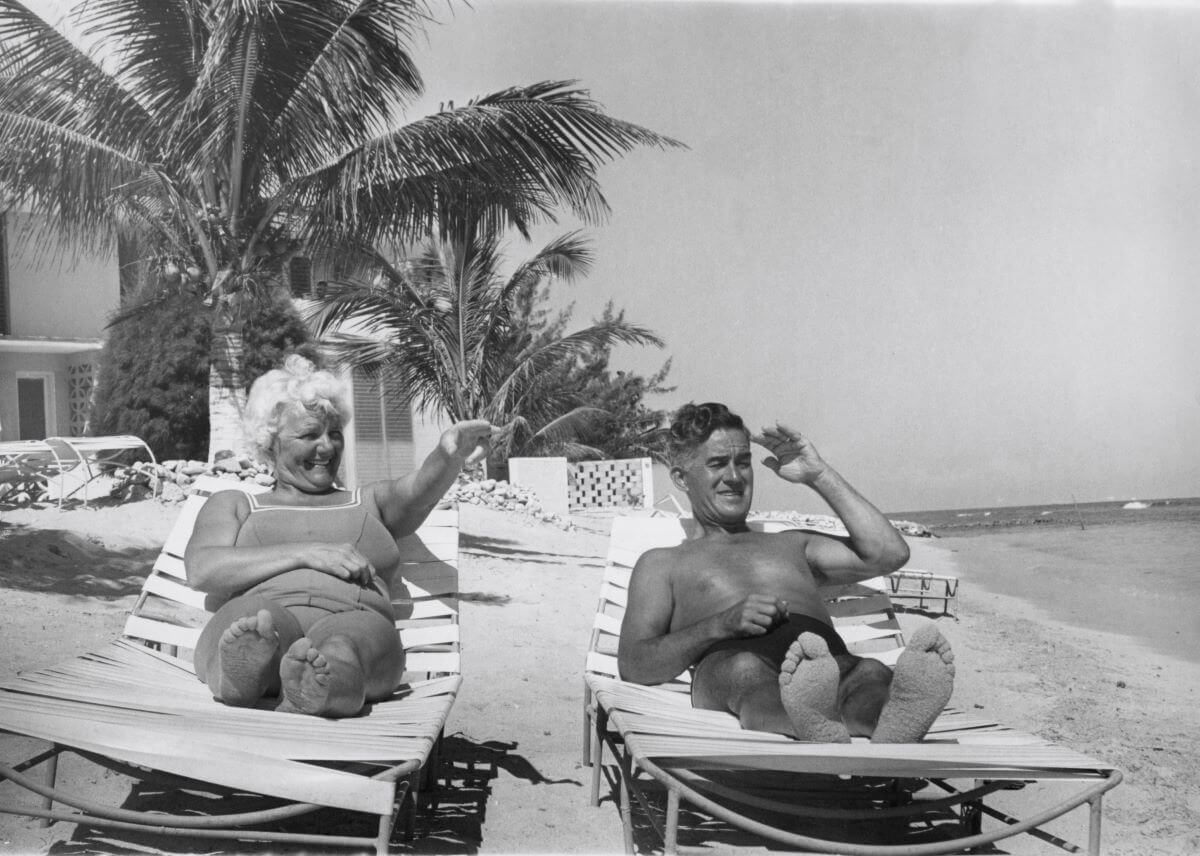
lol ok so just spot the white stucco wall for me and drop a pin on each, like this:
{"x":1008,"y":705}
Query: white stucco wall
{"x":53,"y":292}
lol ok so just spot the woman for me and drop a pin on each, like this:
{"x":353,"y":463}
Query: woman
{"x":303,"y":572}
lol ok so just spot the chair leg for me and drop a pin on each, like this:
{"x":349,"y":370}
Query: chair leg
{"x":384,"y":834}
{"x":625,"y":774}
{"x":588,"y":725}
{"x":51,"y":777}
{"x":1095,"y":809}
{"x":671,"y":835}
{"x":596,"y":741}
{"x":972,"y":818}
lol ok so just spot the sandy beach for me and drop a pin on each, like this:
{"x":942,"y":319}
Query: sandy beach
{"x":1025,"y":655}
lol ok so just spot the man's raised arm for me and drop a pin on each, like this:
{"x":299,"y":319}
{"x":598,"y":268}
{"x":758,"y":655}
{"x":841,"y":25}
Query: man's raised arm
{"x":651,"y":653}
{"x":874,"y":547}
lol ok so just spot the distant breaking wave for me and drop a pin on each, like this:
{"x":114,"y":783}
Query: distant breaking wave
{"x":1136,"y":504}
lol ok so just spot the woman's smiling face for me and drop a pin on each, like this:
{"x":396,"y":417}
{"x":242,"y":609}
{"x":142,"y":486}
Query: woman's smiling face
{"x":308,"y":449}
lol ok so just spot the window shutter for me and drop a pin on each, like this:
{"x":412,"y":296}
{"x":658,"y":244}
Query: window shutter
{"x":300,"y":276}
{"x":383,"y":431}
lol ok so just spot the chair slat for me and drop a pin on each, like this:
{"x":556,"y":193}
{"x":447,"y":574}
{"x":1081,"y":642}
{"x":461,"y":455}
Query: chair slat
{"x":173,"y":590}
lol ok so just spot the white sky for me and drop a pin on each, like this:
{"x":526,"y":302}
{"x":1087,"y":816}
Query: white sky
{"x":956,"y":244}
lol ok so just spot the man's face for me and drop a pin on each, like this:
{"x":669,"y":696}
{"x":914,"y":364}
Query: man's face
{"x":719,"y":478}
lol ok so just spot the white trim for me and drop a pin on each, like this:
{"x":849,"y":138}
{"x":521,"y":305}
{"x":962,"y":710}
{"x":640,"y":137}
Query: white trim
{"x":16,"y":345}
{"x":49,"y":401}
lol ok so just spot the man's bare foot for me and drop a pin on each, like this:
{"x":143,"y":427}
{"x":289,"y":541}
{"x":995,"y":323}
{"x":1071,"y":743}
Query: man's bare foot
{"x":245,"y":656}
{"x":808,"y":686}
{"x":321,"y":683}
{"x":921,"y":686}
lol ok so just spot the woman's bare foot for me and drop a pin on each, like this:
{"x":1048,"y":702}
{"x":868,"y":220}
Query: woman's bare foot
{"x":808,"y":686}
{"x":321,"y":682}
{"x":923,"y":681}
{"x":245,"y":659}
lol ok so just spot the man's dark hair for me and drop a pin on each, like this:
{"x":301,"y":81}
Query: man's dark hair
{"x":695,"y":423}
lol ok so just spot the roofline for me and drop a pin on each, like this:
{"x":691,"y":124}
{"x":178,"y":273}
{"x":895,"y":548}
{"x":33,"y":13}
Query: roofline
{"x":48,"y":345}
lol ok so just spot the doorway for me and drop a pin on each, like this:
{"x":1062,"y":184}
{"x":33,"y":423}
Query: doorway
{"x":35,"y":405}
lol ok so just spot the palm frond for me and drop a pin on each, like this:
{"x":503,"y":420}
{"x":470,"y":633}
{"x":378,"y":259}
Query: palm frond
{"x":521,"y":152}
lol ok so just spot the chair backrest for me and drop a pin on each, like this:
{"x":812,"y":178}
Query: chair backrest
{"x":862,"y":612}
{"x":170,"y":614}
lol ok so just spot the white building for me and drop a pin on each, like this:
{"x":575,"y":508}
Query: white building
{"x":52,"y":316}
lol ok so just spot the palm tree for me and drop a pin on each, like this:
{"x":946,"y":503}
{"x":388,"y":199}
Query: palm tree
{"x":237,"y":134}
{"x":447,"y":328}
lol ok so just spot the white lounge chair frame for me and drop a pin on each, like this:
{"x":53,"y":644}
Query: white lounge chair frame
{"x":137,"y":702}
{"x":910,"y":584}
{"x":654,"y":735}
{"x":70,"y":463}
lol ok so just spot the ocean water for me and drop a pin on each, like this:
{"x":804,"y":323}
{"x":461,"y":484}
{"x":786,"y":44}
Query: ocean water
{"x":1108,"y":566}
{"x":959,"y":522}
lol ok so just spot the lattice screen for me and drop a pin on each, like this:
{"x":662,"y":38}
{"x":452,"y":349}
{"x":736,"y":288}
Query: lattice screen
{"x":611,"y":484}
{"x":81,"y":380}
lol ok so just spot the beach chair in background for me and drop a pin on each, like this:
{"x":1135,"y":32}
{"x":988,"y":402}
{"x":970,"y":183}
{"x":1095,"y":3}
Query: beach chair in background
{"x":62,"y":468}
{"x":669,"y":757}
{"x":25,"y":467}
{"x":137,"y":707}
{"x":910,"y":584}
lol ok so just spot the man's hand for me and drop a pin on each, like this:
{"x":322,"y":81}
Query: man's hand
{"x":793,"y":457}
{"x":755,"y":615}
{"x":469,"y":441}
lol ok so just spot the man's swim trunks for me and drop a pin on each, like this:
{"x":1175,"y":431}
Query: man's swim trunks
{"x":774,"y":645}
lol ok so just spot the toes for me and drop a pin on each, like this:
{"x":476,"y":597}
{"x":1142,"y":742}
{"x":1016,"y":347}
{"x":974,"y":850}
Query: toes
{"x":813,"y":646}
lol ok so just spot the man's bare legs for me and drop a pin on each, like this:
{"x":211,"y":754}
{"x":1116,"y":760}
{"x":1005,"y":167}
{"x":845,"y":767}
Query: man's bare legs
{"x":745,"y":684}
{"x":239,"y":650}
{"x":821,"y":698}
{"x":346,"y":660}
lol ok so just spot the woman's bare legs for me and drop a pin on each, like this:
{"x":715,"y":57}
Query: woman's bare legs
{"x":239,"y":650}
{"x":345,"y":660}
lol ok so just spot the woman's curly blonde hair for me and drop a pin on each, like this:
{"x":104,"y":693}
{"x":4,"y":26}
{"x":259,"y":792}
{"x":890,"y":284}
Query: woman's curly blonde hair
{"x":298,"y":383}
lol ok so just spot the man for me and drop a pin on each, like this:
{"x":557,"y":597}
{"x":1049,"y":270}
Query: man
{"x":744,"y":607}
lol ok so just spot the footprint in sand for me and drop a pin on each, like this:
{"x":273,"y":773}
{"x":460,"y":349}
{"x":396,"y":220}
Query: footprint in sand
{"x":808,"y":686}
{"x":245,"y":656}
{"x":921,"y":686}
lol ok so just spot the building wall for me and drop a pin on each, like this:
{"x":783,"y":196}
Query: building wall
{"x":56,"y":293}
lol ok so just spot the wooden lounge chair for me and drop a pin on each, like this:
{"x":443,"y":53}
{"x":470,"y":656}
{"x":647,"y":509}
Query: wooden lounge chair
{"x":772,"y":786}
{"x":137,"y":706}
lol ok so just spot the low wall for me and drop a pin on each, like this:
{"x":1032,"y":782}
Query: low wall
{"x":546,"y":477}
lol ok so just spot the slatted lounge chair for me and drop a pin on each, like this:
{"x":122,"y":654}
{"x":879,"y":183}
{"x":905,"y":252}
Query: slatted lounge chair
{"x":762,"y":783}
{"x":84,"y":460}
{"x":137,"y":704}
{"x":924,"y":587}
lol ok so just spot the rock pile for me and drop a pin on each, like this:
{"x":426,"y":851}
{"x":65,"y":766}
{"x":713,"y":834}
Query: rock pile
{"x":833,"y":524}
{"x":502,"y":496}
{"x":170,"y":480}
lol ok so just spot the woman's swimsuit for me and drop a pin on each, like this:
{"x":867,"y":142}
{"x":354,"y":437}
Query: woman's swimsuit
{"x":351,"y":522}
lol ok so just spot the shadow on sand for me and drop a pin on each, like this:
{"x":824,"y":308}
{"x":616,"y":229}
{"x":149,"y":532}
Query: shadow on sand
{"x":508,"y":549}
{"x":450,"y":820}
{"x":63,"y":562}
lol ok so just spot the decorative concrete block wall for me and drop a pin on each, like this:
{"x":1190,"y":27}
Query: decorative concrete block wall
{"x":611,"y":484}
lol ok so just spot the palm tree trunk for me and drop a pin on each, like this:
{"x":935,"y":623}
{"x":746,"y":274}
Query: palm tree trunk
{"x":226,"y":391}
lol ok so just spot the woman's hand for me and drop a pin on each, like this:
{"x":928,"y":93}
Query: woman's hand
{"x":469,"y":441}
{"x":339,"y":560}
